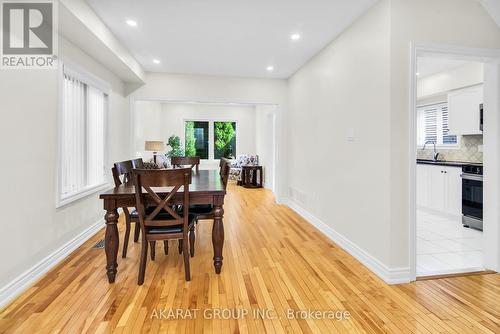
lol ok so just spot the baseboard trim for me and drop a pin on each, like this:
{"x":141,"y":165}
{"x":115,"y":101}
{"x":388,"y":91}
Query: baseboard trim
{"x":29,"y":277}
{"x":388,"y":275}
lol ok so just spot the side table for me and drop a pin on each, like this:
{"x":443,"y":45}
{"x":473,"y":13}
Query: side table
{"x":251,"y":176}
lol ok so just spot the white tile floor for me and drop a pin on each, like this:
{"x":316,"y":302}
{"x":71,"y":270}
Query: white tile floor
{"x":444,"y":246}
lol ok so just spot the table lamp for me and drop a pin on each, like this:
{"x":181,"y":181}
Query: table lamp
{"x":154,"y":146}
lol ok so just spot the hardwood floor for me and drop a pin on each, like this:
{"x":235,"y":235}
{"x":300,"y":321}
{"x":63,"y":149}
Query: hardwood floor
{"x":273,"y":260}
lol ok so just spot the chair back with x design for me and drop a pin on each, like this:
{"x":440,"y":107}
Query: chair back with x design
{"x":159,"y":187}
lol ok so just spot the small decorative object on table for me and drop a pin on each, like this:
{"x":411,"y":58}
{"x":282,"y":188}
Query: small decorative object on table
{"x":150,"y":165}
{"x":251,"y":176}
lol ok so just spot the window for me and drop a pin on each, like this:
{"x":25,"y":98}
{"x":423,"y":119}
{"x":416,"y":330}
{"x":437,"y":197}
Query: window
{"x":224,"y":139}
{"x":196,"y":143}
{"x":210,"y":139}
{"x":82,"y":137}
{"x":432,"y":125}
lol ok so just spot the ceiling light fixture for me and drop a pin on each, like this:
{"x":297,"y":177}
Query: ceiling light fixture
{"x":417,"y":74}
{"x":132,"y":23}
{"x":270,"y":68}
{"x":156,"y":61}
{"x":295,"y":37}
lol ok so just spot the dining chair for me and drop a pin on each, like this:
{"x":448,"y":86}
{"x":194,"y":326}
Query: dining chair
{"x":179,"y":162}
{"x":205,"y":211}
{"x":162,"y":223}
{"x":122,"y":173}
{"x":138,"y":163}
{"x":186,"y":161}
{"x":222,"y":161}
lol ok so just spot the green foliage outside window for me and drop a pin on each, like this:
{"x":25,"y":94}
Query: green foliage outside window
{"x":190,"y":140}
{"x":225,"y":139}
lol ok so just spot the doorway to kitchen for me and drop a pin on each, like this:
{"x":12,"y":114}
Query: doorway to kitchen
{"x":454,"y":127}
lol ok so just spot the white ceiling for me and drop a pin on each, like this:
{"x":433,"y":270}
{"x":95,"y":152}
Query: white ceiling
{"x":433,"y":65}
{"x":228,"y":37}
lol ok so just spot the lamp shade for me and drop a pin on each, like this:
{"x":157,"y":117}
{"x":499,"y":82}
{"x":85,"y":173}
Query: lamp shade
{"x":155,"y":146}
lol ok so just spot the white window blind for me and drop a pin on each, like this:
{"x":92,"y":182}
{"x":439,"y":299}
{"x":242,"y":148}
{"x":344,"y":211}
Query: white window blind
{"x":432,"y":125}
{"x":431,"y":128}
{"x":83,"y":136}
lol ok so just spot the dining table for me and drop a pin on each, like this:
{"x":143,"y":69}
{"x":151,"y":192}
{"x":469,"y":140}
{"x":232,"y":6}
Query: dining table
{"x":206,"y":187}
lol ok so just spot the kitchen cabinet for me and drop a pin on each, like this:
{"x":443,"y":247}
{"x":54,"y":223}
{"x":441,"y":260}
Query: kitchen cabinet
{"x":453,"y":190}
{"x":463,"y":111}
{"x":439,"y":188}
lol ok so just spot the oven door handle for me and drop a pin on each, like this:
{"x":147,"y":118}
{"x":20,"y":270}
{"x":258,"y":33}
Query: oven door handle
{"x":472,"y":177}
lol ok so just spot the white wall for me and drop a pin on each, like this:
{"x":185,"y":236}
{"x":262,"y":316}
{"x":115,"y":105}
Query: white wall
{"x":28,"y":137}
{"x":439,"y":84}
{"x":159,"y":121}
{"x":358,"y":87}
{"x":344,"y":92}
{"x":147,"y":126}
{"x":177,"y":87}
{"x":265,"y":142}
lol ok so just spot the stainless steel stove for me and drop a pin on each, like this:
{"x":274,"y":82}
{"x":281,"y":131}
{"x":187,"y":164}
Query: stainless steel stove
{"x":472,"y":196}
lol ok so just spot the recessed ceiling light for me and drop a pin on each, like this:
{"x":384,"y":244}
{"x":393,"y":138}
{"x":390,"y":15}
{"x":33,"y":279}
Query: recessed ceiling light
{"x":270,"y":68}
{"x":132,"y":23}
{"x":156,"y":61}
{"x":417,"y":74}
{"x":295,"y":37}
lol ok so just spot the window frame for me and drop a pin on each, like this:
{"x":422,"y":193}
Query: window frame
{"x":90,"y":80}
{"x":211,"y":135}
{"x":438,"y":145}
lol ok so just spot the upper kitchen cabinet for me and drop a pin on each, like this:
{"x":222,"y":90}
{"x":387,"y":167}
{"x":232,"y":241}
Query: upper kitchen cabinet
{"x":464,"y":110}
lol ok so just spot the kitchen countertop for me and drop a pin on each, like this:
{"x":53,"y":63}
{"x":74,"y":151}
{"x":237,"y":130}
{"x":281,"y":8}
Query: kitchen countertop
{"x":447,"y":163}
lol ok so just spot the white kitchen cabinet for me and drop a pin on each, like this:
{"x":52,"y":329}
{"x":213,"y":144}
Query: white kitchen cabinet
{"x":422,"y":185}
{"x":463,"y":111}
{"x":453,"y":190}
{"x":437,"y":196}
{"x":439,"y":188}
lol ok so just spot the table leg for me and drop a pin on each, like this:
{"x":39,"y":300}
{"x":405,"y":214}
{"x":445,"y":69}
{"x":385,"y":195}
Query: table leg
{"x":218,"y":237}
{"x":111,"y":242}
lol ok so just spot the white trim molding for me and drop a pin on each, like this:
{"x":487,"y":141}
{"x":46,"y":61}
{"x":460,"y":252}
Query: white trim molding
{"x":388,"y":275}
{"x":32,"y":275}
{"x":491,"y":163}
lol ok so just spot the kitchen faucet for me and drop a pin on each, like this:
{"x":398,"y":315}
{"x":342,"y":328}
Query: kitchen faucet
{"x":436,"y":154}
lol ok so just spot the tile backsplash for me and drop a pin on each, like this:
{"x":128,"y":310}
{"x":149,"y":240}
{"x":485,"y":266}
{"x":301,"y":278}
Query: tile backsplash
{"x":468,"y":152}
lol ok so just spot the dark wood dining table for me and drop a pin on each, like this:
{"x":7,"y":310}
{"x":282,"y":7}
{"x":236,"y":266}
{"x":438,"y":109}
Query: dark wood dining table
{"x":206,"y":188}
